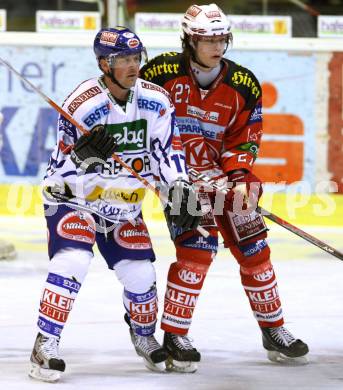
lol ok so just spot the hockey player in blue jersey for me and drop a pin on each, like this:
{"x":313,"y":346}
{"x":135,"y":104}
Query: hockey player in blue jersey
{"x":136,"y":119}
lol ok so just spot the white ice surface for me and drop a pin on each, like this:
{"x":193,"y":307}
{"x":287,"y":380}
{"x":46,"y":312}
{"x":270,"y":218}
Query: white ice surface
{"x":96,"y":344}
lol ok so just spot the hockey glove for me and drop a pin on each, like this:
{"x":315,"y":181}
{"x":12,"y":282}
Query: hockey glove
{"x":183,"y":208}
{"x":246,"y":190}
{"x":93,"y":150}
{"x":55,"y":189}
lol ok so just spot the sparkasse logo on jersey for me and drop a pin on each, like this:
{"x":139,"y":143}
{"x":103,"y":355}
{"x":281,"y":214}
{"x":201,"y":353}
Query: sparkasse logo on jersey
{"x":129,"y":135}
{"x":204,"y":115}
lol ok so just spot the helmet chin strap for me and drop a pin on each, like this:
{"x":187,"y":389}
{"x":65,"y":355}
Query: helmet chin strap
{"x":114,"y":80}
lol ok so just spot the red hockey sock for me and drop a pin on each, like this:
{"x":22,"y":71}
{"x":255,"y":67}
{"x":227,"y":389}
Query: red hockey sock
{"x":260,"y":285}
{"x":184,"y":284}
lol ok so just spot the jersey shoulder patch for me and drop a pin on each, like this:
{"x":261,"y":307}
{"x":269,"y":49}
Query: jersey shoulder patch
{"x":163,"y":68}
{"x":244,"y":81}
{"x":81,"y":95}
{"x":152,"y":88}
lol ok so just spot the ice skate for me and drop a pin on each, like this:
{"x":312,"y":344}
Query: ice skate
{"x":153,"y":354}
{"x":183,"y":357}
{"x":283,"y":347}
{"x":45,"y":362}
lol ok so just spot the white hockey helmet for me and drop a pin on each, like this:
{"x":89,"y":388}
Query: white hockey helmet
{"x":205,"y":20}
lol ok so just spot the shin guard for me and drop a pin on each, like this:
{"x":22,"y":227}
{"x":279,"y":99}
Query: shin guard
{"x":261,"y":288}
{"x":185,"y":279}
{"x":183,"y":289}
{"x":142,"y":310}
{"x":67,"y":270}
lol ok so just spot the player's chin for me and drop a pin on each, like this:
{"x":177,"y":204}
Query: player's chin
{"x":215,"y":60}
{"x":131,"y":80}
{"x":212,"y":62}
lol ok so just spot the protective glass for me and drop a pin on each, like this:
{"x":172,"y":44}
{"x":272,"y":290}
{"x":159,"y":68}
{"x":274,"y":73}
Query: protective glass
{"x":123,"y":60}
{"x":213,"y":41}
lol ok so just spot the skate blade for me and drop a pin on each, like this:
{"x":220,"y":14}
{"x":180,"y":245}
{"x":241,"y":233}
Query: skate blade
{"x":177,"y":366}
{"x":278,"y":357}
{"x":157,"y":367}
{"x":43,"y":374}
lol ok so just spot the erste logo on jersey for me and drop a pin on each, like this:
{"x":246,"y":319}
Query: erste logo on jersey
{"x":96,"y":113}
{"x":199,"y":153}
{"x":152,"y":105}
{"x":154,"y":87}
{"x":202,"y":114}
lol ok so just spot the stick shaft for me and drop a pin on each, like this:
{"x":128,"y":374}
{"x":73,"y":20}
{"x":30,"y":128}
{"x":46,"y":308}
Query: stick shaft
{"x":66,"y":115}
{"x":83,"y":130}
{"x":305,"y":7}
{"x":306,"y":236}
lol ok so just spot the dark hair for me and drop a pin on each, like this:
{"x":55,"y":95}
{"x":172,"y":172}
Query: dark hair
{"x":187,"y":49}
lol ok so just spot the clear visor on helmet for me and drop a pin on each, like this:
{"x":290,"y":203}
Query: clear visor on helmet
{"x":225,"y":38}
{"x":213,"y":40}
{"x":125,"y":59}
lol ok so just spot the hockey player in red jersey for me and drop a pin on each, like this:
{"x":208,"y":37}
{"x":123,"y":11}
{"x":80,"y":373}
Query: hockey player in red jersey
{"x":219,"y":113}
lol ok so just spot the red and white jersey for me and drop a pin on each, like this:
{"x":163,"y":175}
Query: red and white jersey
{"x":220,"y":127}
{"x":148,"y":141}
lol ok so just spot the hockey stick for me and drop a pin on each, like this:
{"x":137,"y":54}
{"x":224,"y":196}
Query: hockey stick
{"x":86,"y":132}
{"x":306,"y":236}
{"x":305,"y":7}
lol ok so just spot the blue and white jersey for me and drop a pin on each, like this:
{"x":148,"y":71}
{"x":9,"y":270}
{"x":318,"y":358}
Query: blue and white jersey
{"x":147,"y":140}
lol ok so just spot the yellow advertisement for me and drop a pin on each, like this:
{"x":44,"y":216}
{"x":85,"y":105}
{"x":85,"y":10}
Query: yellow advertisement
{"x":89,"y":23}
{"x":280,"y":27}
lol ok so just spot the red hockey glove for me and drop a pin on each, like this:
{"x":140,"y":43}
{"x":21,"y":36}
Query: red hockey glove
{"x":246,"y":190}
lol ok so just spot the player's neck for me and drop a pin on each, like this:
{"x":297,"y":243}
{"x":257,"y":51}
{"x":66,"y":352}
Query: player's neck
{"x":205,"y":76}
{"x":116,"y":91}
